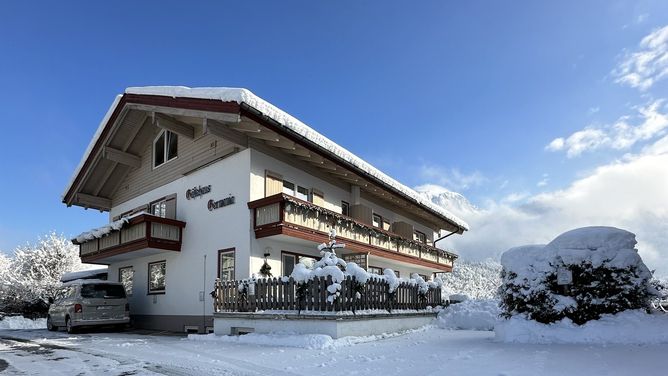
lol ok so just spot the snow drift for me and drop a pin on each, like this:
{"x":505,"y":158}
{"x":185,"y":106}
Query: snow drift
{"x":470,"y":315}
{"x":629,"y":327}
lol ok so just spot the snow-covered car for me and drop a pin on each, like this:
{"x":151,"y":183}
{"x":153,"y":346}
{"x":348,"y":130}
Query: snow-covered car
{"x":86,"y":303}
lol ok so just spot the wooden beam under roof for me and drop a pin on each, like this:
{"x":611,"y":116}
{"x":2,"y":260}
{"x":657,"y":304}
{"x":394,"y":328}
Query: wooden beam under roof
{"x":246,"y":127}
{"x":175,"y":111}
{"x":121,"y":157}
{"x":169,"y":123}
{"x":224,"y":131}
{"x":282,"y":143}
{"x":299,"y":150}
{"x":93,"y":201}
{"x":265,"y":135}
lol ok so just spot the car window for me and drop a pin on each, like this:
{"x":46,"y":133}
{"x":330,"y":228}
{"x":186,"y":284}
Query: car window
{"x":61,"y":293}
{"x":102,"y":291}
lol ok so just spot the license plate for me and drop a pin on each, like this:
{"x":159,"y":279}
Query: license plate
{"x":104,"y":307}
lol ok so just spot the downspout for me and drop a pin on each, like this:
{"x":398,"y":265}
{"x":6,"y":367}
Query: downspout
{"x":443,"y":237}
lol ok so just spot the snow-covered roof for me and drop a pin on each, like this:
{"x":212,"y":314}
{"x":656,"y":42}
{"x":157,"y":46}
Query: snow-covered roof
{"x":90,"y":282}
{"x":84,"y":274}
{"x":240,"y":95}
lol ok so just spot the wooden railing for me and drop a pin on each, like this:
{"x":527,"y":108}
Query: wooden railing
{"x":281,"y":210}
{"x":143,"y":231}
{"x":284,"y":294}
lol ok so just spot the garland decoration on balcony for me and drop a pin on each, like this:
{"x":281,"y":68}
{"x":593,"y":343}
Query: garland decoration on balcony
{"x":303,"y":208}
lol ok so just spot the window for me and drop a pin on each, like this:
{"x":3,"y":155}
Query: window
{"x":377,"y":220}
{"x":102,"y":291}
{"x":164,"y":207}
{"x":165,"y":148}
{"x":159,"y":209}
{"x":386,"y":225}
{"x":156,"y":277}
{"x":288,"y":188}
{"x":289,"y":260}
{"x":125,"y":277}
{"x":302,"y":193}
{"x":226,"y":264}
{"x":345,"y":208}
{"x":375,"y":270}
{"x":420,"y":236}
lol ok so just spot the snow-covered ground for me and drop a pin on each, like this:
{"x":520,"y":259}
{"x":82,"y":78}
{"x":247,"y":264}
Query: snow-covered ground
{"x":432,"y":351}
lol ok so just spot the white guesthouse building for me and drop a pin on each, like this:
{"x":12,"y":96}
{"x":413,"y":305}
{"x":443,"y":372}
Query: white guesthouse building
{"x":209,"y":183}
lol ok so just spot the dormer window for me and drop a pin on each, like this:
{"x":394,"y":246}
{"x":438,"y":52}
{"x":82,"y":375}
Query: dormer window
{"x":165,"y":148}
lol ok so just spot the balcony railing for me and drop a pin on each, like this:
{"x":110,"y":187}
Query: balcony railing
{"x":280,"y":214}
{"x":141,"y":232}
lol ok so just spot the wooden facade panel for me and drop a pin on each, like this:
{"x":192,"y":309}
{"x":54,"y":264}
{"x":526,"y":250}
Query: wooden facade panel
{"x":273,"y":184}
{"x":190,"y":153}
{"x":267,"y":214}
{"x":165,"y":231}
{"x":110,"y":240}
{"x":88,"y":247}
{"x":133,"y":232}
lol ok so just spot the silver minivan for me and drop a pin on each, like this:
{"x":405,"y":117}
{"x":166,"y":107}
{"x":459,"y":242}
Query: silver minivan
{"x":84,"y":302}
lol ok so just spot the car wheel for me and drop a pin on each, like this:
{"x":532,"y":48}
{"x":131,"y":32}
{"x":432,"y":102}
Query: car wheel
{"x":49,"y":325}
{"x":68,"y":325}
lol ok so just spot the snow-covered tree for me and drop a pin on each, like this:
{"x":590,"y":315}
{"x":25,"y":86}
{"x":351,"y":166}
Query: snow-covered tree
{"x":34,"y":271}
{"x":475,"y":279}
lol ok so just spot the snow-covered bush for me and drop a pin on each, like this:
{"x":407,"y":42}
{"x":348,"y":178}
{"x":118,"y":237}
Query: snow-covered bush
{"x":476,"y":279}
{"x":33,"y":273}
{"x":608,"y":276}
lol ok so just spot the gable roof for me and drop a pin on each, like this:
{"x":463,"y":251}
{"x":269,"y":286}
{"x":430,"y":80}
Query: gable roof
{"x":246,"y":98}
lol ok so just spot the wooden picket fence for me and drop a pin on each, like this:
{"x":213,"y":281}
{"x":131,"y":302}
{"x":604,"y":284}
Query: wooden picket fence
{"x":277,"y":294}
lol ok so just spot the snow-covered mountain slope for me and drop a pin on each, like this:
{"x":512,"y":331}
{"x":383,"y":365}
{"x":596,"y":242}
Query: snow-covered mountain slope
{"x":449,"y":200}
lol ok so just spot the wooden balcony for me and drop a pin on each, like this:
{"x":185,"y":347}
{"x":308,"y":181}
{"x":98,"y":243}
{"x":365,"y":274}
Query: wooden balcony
{"x":141,"y":236}
{"x":286,"y":215}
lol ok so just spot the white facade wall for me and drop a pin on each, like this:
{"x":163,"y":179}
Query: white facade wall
{"x":205,"y":233}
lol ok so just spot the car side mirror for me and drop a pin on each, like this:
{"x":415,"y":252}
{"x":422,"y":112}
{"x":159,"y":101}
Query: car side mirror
{"x":50,"y":300}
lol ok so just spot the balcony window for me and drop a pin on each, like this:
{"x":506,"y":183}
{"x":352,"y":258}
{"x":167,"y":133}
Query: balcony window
{"x":164,"y":207}
{"x":375,"y":270}
{"x":288,"y":188}
{"x":420,"y":237}
{"x":345,"y":208}
{"x":377,"y":221}
{"x":226,"y":264}
{"x":302,"y":193}
{"x":156,"y":277}
{"x":125,"y":276}
{"x":165,"y":148}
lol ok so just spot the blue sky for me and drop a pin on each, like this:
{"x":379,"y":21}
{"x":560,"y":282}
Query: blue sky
{"x":465,"y":95}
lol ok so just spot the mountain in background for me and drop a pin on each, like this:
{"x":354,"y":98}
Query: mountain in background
{"x":449,"y":200}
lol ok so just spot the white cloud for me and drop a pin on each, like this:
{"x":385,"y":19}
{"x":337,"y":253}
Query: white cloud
{"x":648,"y":64}
{"x":452,"y":178}
{"x":648,"y":123}
{"x":630,"y":194}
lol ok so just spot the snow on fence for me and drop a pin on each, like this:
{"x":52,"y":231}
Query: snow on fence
{"x":286,"y":294}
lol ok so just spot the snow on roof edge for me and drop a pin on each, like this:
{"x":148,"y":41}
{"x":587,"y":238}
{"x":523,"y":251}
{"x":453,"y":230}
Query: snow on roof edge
{"x":241,"y":95}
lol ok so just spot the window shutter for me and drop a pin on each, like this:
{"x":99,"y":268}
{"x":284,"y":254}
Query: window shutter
{"x":170,"y":207}
{"x":273,"y":183}
{"x":318,"y":197}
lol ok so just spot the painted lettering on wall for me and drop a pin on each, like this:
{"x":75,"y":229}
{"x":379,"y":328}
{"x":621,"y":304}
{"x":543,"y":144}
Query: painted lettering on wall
{"x":213,"y":204}
{"x":198,"y":191}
